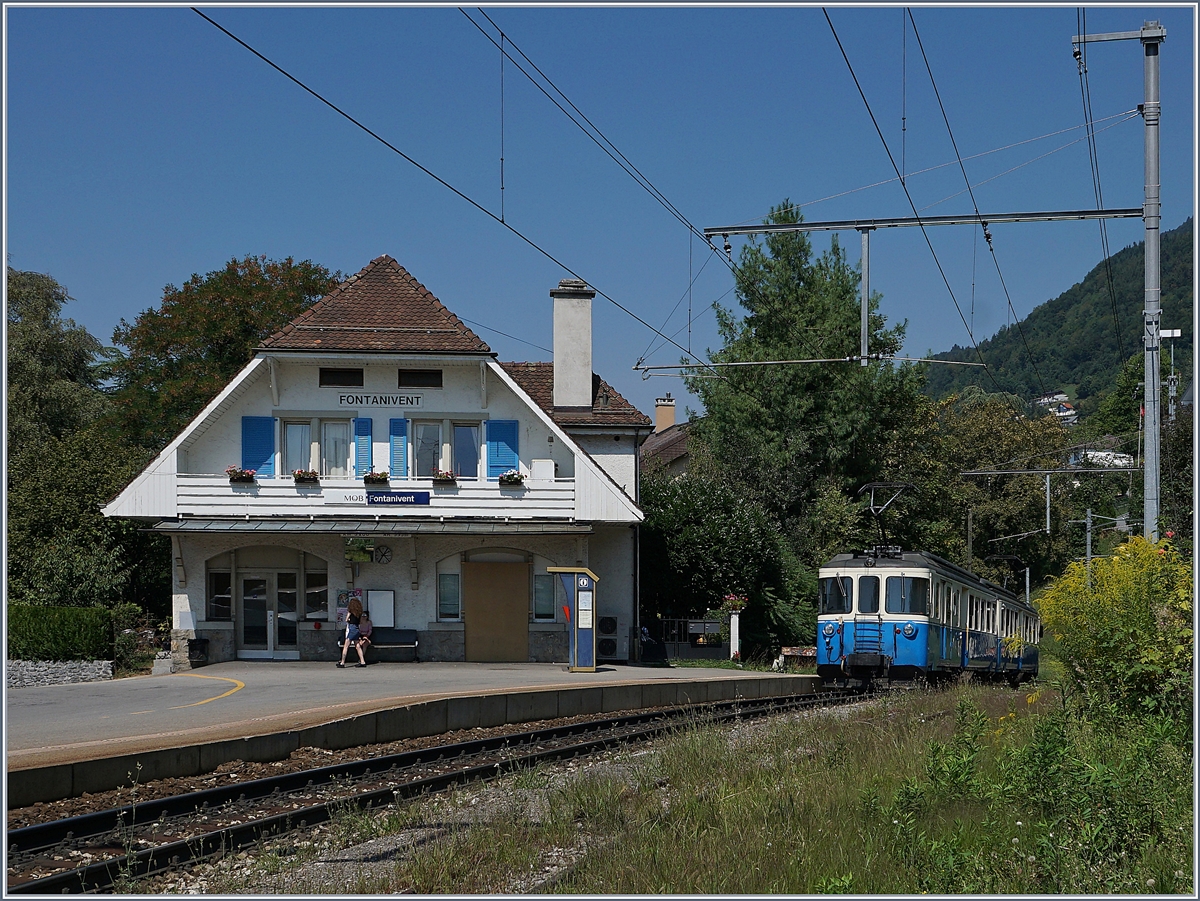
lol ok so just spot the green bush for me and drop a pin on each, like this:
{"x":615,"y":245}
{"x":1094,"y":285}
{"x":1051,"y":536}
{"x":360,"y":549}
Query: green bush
{"x":59,"y":633}
{"x":1124,"y":633}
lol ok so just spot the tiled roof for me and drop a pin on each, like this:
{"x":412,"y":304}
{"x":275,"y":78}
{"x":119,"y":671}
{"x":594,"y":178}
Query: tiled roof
{"x":608,"y":407}
{"x":668,"y":445}
{"x":381,"y":308}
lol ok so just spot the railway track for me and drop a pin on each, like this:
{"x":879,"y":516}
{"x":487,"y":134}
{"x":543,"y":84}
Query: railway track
{"x":91,"y":852}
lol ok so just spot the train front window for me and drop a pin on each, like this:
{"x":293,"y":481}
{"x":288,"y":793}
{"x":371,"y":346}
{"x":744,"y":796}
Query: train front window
{"x":868,"y":594}
{"x":836,"y":594}
{"x":906,"y":594}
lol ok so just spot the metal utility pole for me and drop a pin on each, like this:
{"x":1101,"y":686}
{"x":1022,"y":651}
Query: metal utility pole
{"x":866,"y":293}
{"x":1151,"y":35}
{"x":1172,"y":379}
{"x":1087,"y":523}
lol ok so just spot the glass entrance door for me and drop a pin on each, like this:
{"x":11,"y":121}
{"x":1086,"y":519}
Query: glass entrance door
{"x":287,"y":605}
{"x":268,"y":616}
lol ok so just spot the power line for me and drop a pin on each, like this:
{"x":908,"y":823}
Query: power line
{"x":1123,"y":116}
{"x":1030,"y":162}
{"x":892,"y":160}
{"x":686,"y":294}
{"x":601,"y":141}
{"x":598,"y":138}
{"x":506,"y":334}
{"x":987,"y":236}
{"x":912,"y":204}
{"x":1085,"y":92}
{"x":529,"y":241}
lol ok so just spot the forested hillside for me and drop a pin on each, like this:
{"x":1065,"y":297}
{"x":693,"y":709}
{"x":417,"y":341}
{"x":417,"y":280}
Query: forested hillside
{"x":1072,"y":337}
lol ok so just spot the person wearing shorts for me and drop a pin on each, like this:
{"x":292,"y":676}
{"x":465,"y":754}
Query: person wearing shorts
{"x":354,"y":615}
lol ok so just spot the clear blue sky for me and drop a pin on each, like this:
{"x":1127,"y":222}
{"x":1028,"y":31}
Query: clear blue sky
{"x":144,"y":145}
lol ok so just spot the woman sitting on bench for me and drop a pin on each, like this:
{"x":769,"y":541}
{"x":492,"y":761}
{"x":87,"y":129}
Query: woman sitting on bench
{"x":365,"y":628}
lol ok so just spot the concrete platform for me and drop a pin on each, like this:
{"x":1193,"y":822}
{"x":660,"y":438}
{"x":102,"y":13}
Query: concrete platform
{"x":63,"y":740}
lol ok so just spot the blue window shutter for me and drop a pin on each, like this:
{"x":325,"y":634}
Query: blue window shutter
{"x":501,"y":446}
{"x":258,"y":444}
{"x":362,"y":447}
{"x":398,"y":432}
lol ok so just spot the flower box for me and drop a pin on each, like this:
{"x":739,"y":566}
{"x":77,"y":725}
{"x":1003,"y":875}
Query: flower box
{"x":375,"y":478}
{"x":239,"y":475}
{"x":512,"y":478}
{"x":444,"y":477}
{"x":306,"y":477}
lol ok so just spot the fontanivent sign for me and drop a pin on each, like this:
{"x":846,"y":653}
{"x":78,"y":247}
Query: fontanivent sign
{"x":379,"y":400}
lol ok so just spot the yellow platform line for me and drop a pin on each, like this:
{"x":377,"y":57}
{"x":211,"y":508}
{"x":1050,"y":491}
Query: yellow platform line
{"x":238,"y":685}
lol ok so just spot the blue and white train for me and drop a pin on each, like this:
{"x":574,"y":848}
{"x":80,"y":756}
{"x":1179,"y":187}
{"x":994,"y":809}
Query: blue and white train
{"x":888,"y":614}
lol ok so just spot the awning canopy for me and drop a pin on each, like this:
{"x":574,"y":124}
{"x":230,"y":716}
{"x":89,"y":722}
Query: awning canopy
{"x":372,"y":527}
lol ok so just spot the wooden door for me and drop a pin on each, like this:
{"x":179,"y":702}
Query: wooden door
{"x":496,"y":611}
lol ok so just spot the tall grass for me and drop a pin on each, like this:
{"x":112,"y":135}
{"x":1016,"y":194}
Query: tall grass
{"x":968,"y":790}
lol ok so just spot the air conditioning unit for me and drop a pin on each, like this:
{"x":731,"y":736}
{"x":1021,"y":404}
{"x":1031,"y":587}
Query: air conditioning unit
{"x":612,"y":638}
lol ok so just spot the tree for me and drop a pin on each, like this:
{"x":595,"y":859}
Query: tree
{"x":704,"y":538}
{"x":52,"y":387}
{"x":64,"y":463}
{"x":62,"y":551}
{"x":790,"y":433}
{"x":1120,"y":409}
{"x":178,"y":357}
{"x":1177,"y":469}
{"x":974,"y":431}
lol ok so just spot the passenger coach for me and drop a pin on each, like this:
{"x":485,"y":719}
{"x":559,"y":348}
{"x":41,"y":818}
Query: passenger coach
{"x":888,"y":614}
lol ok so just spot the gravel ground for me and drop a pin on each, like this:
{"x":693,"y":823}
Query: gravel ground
{"x":245,"y":771}
{"x":323,"y":866}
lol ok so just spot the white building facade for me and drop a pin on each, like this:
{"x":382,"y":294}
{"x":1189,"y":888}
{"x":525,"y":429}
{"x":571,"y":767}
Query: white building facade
{"x":351,"y":418}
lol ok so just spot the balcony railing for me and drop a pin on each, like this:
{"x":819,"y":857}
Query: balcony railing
{"x":211,"y":495}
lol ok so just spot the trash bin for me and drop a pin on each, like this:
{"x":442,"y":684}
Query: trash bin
{"x":198,"y":650}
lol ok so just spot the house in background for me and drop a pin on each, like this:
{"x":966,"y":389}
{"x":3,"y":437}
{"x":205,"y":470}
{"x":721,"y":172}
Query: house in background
{"x":668,"y":445}
{"x":379,"y":378}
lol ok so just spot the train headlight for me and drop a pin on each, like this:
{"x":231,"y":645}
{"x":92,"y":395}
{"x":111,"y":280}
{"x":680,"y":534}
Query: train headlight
{"x":909,"y":630}
{"x":829,"y":629}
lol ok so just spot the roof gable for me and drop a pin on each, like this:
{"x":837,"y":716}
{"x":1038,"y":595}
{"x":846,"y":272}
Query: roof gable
{"x":381,"y":308}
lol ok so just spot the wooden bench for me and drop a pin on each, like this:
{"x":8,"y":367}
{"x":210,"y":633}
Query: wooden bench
{"x":383,"y":638}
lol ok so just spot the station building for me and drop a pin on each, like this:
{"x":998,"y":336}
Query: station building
{"x":373,"y":395}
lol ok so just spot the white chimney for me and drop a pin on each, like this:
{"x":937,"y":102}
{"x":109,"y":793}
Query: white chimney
{"x":573,"y":344}
{"x":664,"y":412}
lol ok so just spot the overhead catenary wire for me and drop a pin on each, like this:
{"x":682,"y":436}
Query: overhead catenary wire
{"x":505,"y":334}
{"x":962,"y":168}
{"x":1123,"y":116}
{"x":1085,"y":91}
{"x":523,"y":237}
{"x":687,"y":294}
{"x":596,"y":135}
{"x":987,"y":369}
{"x":911,"y":203}
{"x":519,"y":234}
{"x":602,"y":141}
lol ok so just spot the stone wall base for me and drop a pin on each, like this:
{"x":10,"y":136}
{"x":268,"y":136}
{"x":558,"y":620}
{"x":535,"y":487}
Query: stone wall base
{"x":28,"y":673}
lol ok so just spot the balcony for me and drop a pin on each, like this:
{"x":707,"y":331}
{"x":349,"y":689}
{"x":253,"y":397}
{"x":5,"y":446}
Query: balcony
{"x":207,"y":495}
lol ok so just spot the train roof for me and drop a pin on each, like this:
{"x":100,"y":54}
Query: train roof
{"x":917,"y":558}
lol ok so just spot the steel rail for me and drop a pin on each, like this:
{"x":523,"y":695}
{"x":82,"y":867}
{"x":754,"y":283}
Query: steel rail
{"x":101,"y":875}
{"x":29,"y":839}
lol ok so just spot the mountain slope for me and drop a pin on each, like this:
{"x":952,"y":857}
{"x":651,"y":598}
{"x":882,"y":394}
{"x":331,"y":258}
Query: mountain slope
{"x":1072,"y":337}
